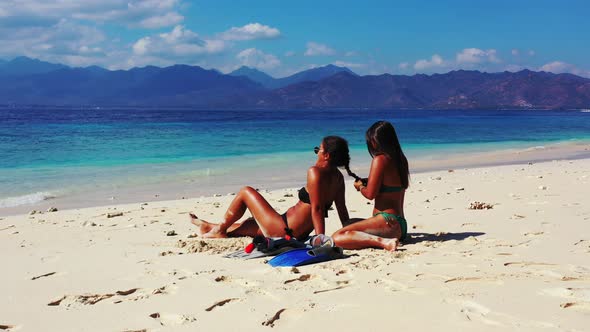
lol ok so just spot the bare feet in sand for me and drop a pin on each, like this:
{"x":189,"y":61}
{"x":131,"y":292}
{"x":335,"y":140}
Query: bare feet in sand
{"x":390,"y":244}
{"x":204,"y":226}
{"x":215,"y":233}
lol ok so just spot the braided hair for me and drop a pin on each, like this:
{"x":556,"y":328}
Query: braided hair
{"x":337,"y":148}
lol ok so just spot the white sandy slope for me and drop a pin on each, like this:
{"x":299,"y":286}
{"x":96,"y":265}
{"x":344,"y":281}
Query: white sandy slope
{"x":522,"y":265}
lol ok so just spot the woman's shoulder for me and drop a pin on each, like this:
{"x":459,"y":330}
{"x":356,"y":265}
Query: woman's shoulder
{"x":313,"y":170}
{"x":381,"y":160}
{"x":313,"y":173}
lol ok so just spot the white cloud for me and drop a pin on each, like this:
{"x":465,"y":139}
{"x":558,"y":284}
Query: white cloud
{"x":250,"y":32}
{"x":179,"y":44}
{"x":556,"y":67}
{"x":143,"y":13}
{"x":559,"y":67}
{"x":64,"y":38}
{"x":475,"y":55}
{"x":515,"y":52}
{"x":349,"y":64}
{"x":314,"y":49}
{"x":435,"y":61}
{"x":141,"y":46}
{"x":84,"y":49}
{"x":531,"y":53}
{"x":350,"y":53}
{"x":403,"y":65}
{"x":289,"y":53}
{"x":70,"y":32}
{"x":252,"y":57}
{"x":166,"y":20}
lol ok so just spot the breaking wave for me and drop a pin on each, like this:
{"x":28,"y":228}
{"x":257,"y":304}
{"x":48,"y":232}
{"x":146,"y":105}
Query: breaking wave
{"x":25,"y":199}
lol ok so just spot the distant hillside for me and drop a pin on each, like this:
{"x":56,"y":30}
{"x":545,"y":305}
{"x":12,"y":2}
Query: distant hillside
{"x":314,"y":74}
{"x":25,"y":81}
{"x":177,"y":85}
{"x":22,"y":66}
{"x":454,"y":90}
{"x":255,"y":75}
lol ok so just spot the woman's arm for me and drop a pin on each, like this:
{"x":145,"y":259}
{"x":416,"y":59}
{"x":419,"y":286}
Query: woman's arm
{"x":340,"y":202}
{"x":375,"y":178}
{"x":315,"y":197}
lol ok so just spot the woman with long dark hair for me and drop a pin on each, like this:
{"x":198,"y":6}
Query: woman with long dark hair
{"x":325,"y":185}
{"x":388,"y":180}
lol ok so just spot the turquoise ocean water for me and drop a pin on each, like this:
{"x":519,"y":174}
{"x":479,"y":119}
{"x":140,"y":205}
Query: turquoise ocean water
{"x":47,"y":153}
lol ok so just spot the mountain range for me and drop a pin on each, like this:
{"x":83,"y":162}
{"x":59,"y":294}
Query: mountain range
{"x":25,"y":81}
{"x":267,"y":81}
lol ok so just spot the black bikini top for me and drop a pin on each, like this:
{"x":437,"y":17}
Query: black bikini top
{"x":304,"y":197}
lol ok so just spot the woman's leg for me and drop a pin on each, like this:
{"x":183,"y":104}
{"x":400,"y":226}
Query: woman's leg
{"x":374,"y":232}
{"x":269,"y":221}
{"x":248,"y":227}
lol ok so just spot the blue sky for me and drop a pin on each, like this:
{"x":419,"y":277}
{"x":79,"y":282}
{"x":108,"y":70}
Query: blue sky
{"x":282,"y":37}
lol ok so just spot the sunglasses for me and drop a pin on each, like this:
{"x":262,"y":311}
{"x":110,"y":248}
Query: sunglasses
{"x":316,"y":150}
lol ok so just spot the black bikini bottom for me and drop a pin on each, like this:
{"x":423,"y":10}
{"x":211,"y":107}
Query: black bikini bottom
{"x":288,"y":230}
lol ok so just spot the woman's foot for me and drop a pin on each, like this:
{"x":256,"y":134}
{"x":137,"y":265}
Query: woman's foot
{"x":204,"y":226}
{"x":215,"y":233}
{"x":390,"y":244}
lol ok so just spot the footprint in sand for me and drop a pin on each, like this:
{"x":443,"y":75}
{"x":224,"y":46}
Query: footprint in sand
{"x":582,"y":246}
{"x":474,"y":279}
{"x":430,"y":276}
{"x":220,"y":304}
{"x":523,"y":264}
{"x":133,"y":294}
{"x":396,"y":286}
{"x":512,"y":245}
{"x":577,"y":298}
{"x":533,"y":233}
{"x":584,"y":306}
{"x":248,"y":285}
{"x":9,"y":227}
{"x":166,"y":319}
{"x":271,"y":321}
{"x":303,"y":277}
{"x":342,"y":271}
{"x":476,"y":311}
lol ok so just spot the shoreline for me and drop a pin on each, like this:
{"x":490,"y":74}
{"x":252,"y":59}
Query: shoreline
{"x":227,"y":183}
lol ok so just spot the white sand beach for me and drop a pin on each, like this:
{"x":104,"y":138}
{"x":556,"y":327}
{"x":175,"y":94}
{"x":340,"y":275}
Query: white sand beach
{"x":523,"y":264}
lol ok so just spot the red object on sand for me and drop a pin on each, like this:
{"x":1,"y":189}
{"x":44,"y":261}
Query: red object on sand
{"x":249,"y":248}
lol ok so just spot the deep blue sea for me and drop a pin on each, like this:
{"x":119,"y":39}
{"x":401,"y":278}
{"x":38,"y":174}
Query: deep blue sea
{"x":55,"y":152}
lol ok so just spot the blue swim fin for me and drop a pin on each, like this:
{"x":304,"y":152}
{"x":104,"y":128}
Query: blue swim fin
{"x":304,"y":256}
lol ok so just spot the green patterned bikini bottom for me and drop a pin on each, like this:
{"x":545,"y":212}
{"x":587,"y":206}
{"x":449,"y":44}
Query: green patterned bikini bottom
{"x":391,"y":218}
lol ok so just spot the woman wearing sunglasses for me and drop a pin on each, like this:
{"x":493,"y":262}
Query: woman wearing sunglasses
{"x":325,"y":185}
{"x":388,"y":180}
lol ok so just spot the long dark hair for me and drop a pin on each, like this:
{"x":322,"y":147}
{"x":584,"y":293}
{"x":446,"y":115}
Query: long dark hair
{"x":382,"y":139}
{"x":337,"y":148}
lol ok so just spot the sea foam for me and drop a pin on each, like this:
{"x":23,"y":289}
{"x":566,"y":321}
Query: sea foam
{"x":25,"y":199}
